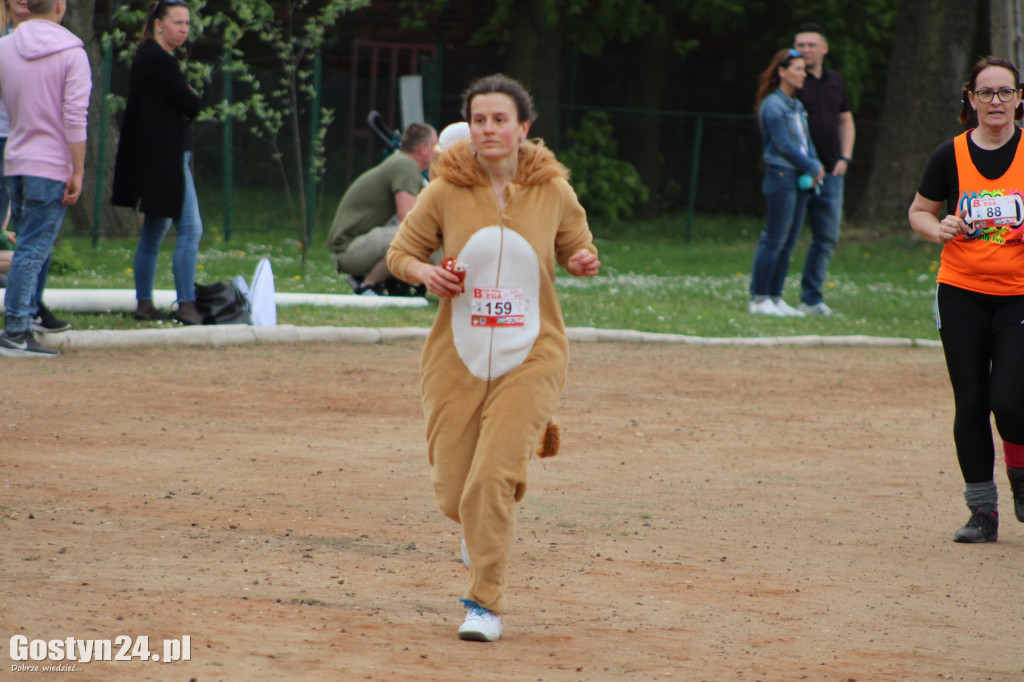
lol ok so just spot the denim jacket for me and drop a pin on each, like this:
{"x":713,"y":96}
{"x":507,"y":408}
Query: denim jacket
{"x":783,"y":128}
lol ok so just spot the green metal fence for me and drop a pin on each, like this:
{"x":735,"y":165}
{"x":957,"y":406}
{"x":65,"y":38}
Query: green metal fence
{"x":708,"y":162}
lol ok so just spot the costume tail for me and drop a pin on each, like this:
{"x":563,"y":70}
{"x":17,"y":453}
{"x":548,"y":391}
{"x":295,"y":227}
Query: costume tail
{"x":550,"y":440}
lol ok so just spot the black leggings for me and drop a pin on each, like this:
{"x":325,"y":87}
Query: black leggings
{"x":983,"y":340}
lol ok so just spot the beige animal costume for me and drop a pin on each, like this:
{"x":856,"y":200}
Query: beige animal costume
{"x":494,"y":364}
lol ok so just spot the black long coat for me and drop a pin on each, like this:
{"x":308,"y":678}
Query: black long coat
{"x":148,"y":171}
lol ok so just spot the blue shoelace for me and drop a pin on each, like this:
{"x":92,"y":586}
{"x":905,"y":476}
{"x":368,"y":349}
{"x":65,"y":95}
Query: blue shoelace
{"x":473,"y":606}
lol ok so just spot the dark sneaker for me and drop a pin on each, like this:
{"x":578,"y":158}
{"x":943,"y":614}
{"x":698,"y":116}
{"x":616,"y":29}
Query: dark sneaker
{"x":378,"y":289}
{"x":983,"y":527}
{"x":1016,"y":477}
{"x":397,"y":287}
{"x":47,"y":323}
{"x":24,"y":345}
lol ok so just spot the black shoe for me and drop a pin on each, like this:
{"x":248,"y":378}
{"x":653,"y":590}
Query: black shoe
{"x":1016,"y":477}
{"x":24,"y":345}
{"x":378,"y":289}
{"x":983,"y":527}
{"x":150,"y":315}
{"x":397,"y":287}
{"x":46,"y":322}
{"x":191,"y":321}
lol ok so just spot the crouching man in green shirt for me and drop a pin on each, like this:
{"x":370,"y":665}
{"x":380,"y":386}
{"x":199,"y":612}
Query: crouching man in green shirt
{"x":373,"y":206}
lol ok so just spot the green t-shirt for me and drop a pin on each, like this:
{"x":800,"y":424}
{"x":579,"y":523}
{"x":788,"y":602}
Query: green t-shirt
{"x":369,"y":202}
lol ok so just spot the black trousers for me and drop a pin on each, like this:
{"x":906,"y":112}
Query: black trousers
{"x":983,"y":341}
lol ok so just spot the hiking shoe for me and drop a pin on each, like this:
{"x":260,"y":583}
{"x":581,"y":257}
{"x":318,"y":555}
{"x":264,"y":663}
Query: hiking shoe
{"x":1016,"y":477}
{"x":765,"y":307}
{"x":786,"y":309}
{"x":24,"y":345}
{"x":465,"y":554}
{"x":46,"y":322}
{"x":480,"y":625}
{"x":820,"y":309}
{"x":983,"y":527}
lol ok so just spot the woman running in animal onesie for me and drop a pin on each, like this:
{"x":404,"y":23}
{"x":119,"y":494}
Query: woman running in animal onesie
{"x":494,"y":364}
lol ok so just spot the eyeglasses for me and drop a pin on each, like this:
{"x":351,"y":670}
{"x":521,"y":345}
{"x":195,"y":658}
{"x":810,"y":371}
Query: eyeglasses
{"x":1005,"y":95}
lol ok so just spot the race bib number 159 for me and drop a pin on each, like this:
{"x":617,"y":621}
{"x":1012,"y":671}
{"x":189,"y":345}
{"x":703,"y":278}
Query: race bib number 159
{"x":498,"y":307}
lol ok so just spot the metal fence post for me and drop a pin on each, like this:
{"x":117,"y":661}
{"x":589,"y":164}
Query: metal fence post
{"x":698,"y":134}
{"x":314,"y":136}
{"x":229,"y":161}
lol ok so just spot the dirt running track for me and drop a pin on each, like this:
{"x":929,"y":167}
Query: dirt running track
{"x":717,"y":513}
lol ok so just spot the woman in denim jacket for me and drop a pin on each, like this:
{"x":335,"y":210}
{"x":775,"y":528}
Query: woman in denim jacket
{"x":788,"y":154}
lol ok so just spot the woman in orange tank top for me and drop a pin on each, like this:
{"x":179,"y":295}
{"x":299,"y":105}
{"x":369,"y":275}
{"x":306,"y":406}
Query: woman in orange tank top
{"x":979,"y":176}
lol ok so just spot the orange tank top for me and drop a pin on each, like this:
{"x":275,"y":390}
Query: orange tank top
{"x":989,"y":258}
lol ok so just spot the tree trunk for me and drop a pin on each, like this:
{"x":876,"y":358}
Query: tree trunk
{"x":1005,"y":17}
{"x":535,"y":59}
{"x":114,"y":222}
{"x":641,"y":138}
{"x":930,"y":58}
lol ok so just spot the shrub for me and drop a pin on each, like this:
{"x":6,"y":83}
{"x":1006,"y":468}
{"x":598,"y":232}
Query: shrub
{"x":64,"y":260}
{"x":608,"y":187}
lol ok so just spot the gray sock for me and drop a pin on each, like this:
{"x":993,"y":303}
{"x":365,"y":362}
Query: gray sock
{"x":982,"y":495}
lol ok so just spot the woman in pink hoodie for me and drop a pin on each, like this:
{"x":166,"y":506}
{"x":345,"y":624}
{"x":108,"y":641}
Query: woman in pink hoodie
{"x":46,"y":82}
{"x":12,"y":13}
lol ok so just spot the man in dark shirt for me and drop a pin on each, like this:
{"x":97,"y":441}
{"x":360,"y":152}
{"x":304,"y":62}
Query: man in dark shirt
{"x":832,"y":132}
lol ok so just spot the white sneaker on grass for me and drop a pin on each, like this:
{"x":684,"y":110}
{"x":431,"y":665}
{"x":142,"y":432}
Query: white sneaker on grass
{"x":821,"y":309}
{"x":480,"y":625}
{"x":765,"y":307}
{"x":786,"y":309}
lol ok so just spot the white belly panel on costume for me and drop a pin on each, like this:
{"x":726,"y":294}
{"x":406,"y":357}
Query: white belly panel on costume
{"x":496,"y":321}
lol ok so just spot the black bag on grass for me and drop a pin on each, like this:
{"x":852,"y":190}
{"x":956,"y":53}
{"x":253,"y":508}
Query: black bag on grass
{"x":222,"y":303}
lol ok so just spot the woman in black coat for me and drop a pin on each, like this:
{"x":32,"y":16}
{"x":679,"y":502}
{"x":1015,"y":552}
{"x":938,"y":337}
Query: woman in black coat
{"x":152,"y":172}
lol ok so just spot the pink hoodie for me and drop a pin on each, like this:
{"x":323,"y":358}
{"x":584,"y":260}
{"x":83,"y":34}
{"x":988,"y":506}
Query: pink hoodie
{"x":45,"y":82}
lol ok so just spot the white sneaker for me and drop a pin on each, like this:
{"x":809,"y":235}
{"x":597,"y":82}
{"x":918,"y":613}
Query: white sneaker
{"x":821,"y":309}
{"x":786,"y":309}
{"x":480,"y":625}
{"x":765,"y":307}
{"x":465,"y":554}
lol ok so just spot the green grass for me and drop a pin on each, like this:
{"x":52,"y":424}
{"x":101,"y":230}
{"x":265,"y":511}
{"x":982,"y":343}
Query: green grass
{"x":651,"y":280}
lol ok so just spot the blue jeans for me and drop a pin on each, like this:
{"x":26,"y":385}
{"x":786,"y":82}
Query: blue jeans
{"x":825,"y":211}
{"x":186,"y":248}
{"x":37,"y":214}
{"x":786,"y":205}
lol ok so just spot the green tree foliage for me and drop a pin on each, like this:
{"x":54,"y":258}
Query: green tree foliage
{"x":292,"y":33}
{"x":859,"y":32}
{"x":277,"y":110}
{"x":608,"y":187}
{"x":697,"y":55}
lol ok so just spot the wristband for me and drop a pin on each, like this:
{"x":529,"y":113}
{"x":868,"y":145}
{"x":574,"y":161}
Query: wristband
{"x":847,"y":159}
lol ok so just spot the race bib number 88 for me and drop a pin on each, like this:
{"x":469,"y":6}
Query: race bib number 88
{"x":990,"y":211}
{"x":498,"y":307}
